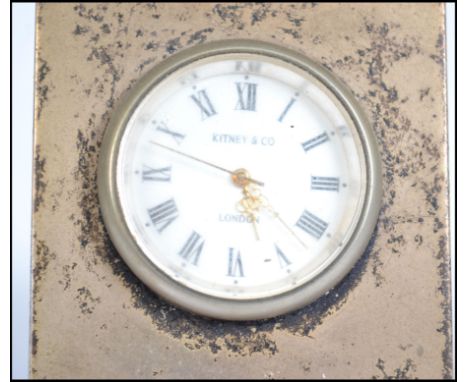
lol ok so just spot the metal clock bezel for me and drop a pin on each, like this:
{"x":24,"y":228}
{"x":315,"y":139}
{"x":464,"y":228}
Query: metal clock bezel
{"x":197,"y":302}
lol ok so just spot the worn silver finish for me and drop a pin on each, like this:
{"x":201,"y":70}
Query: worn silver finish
{"x":389,"y":318}
{"x":207,"y":305}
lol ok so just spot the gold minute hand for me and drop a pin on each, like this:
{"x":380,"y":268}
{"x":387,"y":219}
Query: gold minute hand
{"x":205,"y":162}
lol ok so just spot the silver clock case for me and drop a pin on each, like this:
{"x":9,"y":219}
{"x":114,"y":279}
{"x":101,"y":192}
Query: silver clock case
{"x":204,"y":304}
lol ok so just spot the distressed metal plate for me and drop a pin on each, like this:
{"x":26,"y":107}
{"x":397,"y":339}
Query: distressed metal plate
{"x":389,"y":318}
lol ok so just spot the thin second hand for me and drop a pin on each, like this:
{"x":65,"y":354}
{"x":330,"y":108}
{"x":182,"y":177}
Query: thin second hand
{"x":204,"y":162}
{"x":290,"y":229}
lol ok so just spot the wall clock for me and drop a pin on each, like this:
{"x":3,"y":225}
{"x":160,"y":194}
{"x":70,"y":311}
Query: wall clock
{"x":239,"y":180}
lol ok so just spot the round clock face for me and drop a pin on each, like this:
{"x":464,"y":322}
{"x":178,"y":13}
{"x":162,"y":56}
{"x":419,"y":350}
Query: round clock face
{"x":239,"y":180}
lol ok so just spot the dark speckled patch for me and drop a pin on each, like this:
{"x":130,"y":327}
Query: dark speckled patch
{"x":42,"y":257}
{"x":173,"y":45}
{"x":90,"y":13}
{"x":67,"y":275}
{"x":444,"y":289}
{"x":230,"y":13}
{"x":199,"y":36}
{"x":80,"y":30}
{"x":34,"y":342}
{"x":43,"y":86}
{"x":87,"y":176}
{"x":39,"y":179}
{"x":104,"y":58}
{"x":402,"y":372}
{"x":87,"y":303}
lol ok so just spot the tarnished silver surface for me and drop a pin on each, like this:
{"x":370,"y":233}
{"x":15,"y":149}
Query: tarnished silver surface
{"x":389,"y":318}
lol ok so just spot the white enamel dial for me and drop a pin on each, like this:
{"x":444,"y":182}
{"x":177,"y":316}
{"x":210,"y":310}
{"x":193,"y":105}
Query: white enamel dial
{"x":274,"y":124}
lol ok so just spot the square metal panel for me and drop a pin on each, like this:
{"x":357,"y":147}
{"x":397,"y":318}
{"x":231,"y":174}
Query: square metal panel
{"x":389,"y":318}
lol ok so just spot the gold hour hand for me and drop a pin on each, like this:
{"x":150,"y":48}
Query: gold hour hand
{"x":253,"y":201}
{"x":250,"y":206}
{"x":241,"y":207}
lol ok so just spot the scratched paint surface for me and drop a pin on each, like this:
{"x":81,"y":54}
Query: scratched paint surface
{"x":92,"y":318}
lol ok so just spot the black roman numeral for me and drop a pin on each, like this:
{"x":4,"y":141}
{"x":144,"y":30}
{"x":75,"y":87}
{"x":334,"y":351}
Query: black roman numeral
{"x":192,"y":248}
{"x":312,"y":224}
{"x":283,"y":260}
{"x":318,"y":140}
{"x":158,"y":174}
{"x":325,"y":183}
{"x":288,"y":106}
{"x":204,"y":103}
{"x":163,"y":214}
{"x":247,"y":93}
{"x":235,"y":268}
{"x":178,"y":137}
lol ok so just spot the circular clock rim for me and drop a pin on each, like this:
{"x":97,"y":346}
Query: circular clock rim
{"x":212,"y":306}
